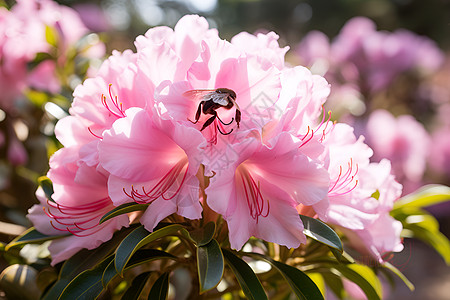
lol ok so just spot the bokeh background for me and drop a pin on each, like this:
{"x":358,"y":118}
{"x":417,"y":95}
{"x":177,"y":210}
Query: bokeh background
{"x":118,"y":22}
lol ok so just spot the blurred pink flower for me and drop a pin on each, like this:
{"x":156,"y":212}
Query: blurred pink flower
{"x":23,"y":36}
{"x":403,"y":140}
{"x":376,"y":57}
{"x":93,"y":16}
{"x":439,"y":158}
{"x":80,"y":200}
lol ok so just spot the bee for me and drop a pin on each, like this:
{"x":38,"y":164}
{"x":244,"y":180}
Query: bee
{"x":211,"y":100}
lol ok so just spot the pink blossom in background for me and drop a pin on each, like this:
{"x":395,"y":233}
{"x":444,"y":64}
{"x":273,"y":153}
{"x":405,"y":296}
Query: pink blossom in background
{"x":92,"y":16}
{"x":23,"y":35}
{"x":403,"y":140}
{"x":80,"y":200}
{"x":368,"y":58}
{"x":439,"y":158}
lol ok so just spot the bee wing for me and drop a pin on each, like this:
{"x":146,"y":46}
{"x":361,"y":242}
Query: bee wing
{"x":197,"y":94}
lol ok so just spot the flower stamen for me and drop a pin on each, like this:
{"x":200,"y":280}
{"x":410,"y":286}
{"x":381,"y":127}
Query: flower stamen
{"x":345,"y":182}
{"x":253,"y":195}
{"x":175,"y":176}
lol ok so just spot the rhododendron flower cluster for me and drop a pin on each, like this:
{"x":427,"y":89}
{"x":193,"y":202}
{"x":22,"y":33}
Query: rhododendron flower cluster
{"x":361,"y":60}
{"x":30,"y":28}
{"x":195,"y":126}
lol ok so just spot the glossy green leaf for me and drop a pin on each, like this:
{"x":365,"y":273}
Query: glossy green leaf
{"x":300,"y":283}
{"x":319,"y":281}
{"x":249,"y":282}
{"x":210,"y":265}
{"x":415,"y":215}
{"x":418,"y":223}
{"x":47,"y":186}
{"x":81,"y":261}
{"x":435,"y":239}
{"x":51,"y":36}
{"x":364,"y":277}
{"x":425,"y":196}
{"x":136,"y":287}
{"x":397,"y":272}
{"x":137,"y":239}
{"x":321,"y":232}
{"x":31,"y":236}
{"x":160,"y":288}
{"x":141,"y":256}
{"x":202,"y":236}
{"x":123,"y":209}
{"x":88,"y":284}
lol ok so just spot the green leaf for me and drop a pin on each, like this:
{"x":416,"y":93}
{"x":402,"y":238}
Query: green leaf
{"x":81,"y":261}
{"x":202,"y":236}
{"x":40,"y":57}
{"x":250,"y":284}
{"x":300,"y":283}
{"x":31,"y":236}
{"x":418,"y":223}
{"x":137,"y":285}
{"x":141,"y":256}
{"x":88,"y":284}
{"x":160,"y":288}
{"x":123,"y":209}
{"x":397,"y":272}
{"x":321,"y":232}
{"x":435,"y":239}
{"x":137,"y":239}
{"x":47,"y":186}
{"x":319,"y":281}
{"x":37,"y":98}
{"x":210,"y":265}
{"x":364,"y":277}
{"x":425,"y":196}
{"x":51,"y":36}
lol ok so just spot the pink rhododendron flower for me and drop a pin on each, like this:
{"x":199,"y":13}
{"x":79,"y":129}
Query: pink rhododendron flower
{"x":153,"y":161}
{"x":376,"y":195}
{"x":348,"y":208}
{"x":361,"y":194}
{"x":257,"y":193}
{"x":80,"y":200}
{"x":188,"y":106}
{"x":403,"y":140}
